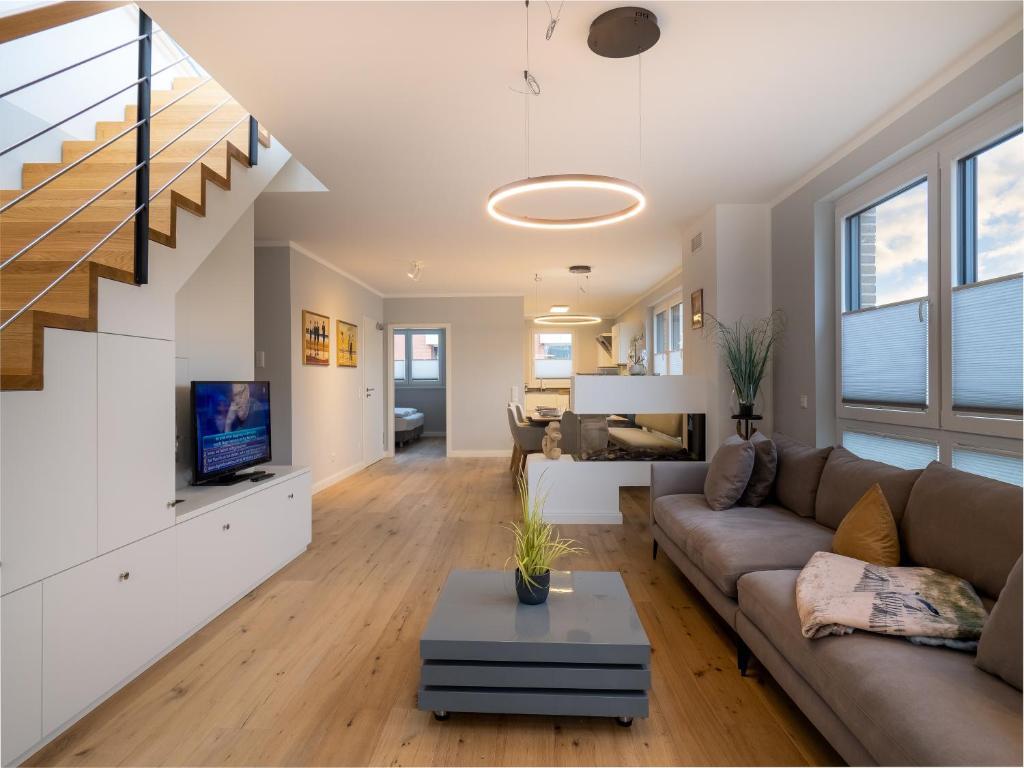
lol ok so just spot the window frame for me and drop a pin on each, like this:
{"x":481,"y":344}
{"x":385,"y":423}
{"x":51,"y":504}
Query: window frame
{"x":407,"y":382}
{"x":920,"y":167}
{"x":959,"y":267}
{"x":666,"y":305}
{"x":533,"y":359}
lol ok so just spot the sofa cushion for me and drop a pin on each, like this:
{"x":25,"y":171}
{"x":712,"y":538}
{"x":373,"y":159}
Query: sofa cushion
{"x":999,"y":648}
{"x":728,"y":543}
{"x":964,"y":524}
{"x":762,"y":477}
{"x":630,"y":437}
{"x":907,"y":704}
{"x":798,"y":473}
{"x":868,"y":532}
{"x":847,"y":477}
{"x":729,"y":473}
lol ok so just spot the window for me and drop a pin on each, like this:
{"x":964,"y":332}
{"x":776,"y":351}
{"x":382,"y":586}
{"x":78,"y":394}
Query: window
{"x":906,"y":454}
{"x":419,"y":357}
{"x":994,"y":464}
{"x":885,"y":323}
{"x":552,"y":355}
{"x":668,"y":337}
{"x":987,"y":329}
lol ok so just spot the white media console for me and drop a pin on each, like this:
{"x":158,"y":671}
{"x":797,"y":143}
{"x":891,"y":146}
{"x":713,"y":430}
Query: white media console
{"x":72,"y":639}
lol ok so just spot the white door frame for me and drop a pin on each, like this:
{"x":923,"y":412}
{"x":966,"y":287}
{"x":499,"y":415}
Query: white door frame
{"x":389,"y":364}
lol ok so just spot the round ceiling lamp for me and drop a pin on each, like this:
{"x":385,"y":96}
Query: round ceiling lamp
{"x":567,"y":320}
{"x":630,"y":33}
{"x":559,"y":314}
{"x":631,"y":192}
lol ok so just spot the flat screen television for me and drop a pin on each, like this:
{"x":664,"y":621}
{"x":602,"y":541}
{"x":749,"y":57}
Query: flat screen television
{"x":231,"y":424}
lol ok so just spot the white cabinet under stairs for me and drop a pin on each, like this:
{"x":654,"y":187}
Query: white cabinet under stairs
{"x":74,"y":638}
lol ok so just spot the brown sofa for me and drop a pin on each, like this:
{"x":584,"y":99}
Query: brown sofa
{"x":878,"y":700}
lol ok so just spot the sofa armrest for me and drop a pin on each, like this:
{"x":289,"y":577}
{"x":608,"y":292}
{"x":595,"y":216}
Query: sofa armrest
{"x":668,"y":479}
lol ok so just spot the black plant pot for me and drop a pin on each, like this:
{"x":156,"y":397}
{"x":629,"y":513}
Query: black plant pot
{"x":533,"y":595}
{"x":746,"y":410}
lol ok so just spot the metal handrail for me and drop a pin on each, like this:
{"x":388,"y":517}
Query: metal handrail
{"x":69,"y":217}
{"x":198,"y":157}
{"x":78,"y":262}
{"x":70,"y":166}
{"x":189,"y":128}
{"x":61,"y":71}
{"x":81,"y":112}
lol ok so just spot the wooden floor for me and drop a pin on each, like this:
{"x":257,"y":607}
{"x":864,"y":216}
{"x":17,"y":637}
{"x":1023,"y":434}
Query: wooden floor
{"x":319,"y":665}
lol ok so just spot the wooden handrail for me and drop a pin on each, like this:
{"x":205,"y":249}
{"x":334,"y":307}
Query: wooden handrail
{"x":48,"y":16}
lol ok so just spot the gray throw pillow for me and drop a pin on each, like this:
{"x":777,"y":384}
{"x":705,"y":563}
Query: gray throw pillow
{"x":729,"y":473}
{"x":798,"y":474}
{"x":1000,"y":644}
{"x":763,"y":474}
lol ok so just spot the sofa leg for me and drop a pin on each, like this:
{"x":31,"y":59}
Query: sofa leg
{"x":742,"y":656}
{"x":654,"y":550}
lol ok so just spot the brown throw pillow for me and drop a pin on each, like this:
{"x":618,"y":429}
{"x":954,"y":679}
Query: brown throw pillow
{"x":868,"y":532}
{"x":729,"y":472}
{"x":763,"y":474}
{"x":999,"y":647}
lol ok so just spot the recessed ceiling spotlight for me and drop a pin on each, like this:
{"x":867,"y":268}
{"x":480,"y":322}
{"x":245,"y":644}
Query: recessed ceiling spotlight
{"x":559,"y":309}
{"x":415,"y":270}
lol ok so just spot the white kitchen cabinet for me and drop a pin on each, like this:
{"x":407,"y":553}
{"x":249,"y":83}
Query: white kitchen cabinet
{"x":102,"y":621}
{"x":136,"y":438}
{"x":48,"y":493}
{"x":21,"y":617}
{"x":622,"y":336}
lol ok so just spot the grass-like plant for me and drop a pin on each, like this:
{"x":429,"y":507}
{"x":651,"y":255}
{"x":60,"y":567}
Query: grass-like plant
{"x":747,"y":348}
{"x":537,"y":543}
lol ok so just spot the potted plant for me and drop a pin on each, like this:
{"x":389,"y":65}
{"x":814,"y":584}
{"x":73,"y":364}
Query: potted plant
{"x":537,"y":547}
{"x":638,"y":355}
{"x":747,"y":348}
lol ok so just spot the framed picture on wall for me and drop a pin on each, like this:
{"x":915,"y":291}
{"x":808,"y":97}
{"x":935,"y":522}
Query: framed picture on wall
{"x":316,"y":338}
{"x":348,"y":345}
{"x":697,"y":309}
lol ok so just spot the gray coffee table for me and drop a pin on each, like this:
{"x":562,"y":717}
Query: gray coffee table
{"x":583,"y":652}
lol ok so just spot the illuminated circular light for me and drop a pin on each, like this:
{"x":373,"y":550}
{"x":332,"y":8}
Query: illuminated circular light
{"x":566,"y":320}
{"x":566,"y":181}
{"x":559,"y":309}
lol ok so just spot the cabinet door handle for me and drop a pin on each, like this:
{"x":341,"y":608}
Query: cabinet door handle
{"x":291,"y":495}
{"x":226,"y":526}
{"x":123,"y":576}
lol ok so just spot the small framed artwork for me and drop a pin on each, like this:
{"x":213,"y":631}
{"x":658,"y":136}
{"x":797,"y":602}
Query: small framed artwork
{"x":348,"y":345}
{"x":316,"y":338}
{"x":697,"y":309}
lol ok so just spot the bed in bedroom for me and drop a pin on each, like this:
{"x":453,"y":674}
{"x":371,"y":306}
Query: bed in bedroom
{"x":408,"y":426}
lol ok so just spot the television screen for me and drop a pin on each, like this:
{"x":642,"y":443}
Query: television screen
{"x":232,"y":426}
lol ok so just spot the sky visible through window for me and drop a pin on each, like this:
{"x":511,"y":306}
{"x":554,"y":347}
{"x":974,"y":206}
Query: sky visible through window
{"x":1001,"y":209}
{"x":901,"y":243}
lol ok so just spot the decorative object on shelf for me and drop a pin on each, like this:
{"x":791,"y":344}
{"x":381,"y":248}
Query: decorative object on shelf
{"x":316,"y":338}
{"x":697,"y":309}
{"x":634,"y":199}
{"x":549,"y":443}
{"x":348,"y":345}
{"x":638,"y":355}
{"x":747,"y":348}
{"x":537,"y":548}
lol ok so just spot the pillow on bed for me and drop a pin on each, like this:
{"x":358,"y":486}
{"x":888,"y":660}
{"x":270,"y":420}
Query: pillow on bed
{"x":404,"y":412}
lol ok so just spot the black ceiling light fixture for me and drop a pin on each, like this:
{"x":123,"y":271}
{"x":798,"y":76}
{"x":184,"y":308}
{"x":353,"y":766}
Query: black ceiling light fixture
{"x":623,"y":32}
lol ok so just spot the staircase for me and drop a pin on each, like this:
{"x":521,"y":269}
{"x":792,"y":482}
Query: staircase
{"x":197,"y":133}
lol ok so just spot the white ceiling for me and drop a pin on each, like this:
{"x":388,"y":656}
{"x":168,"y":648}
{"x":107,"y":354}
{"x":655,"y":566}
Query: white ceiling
{"x":404,"y":111}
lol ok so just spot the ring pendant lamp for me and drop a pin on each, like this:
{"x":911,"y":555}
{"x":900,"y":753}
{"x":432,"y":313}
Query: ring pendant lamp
{"x":559,"y":314}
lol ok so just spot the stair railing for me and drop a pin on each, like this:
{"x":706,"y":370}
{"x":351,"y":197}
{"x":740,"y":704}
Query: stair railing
{"x":143,"y":158}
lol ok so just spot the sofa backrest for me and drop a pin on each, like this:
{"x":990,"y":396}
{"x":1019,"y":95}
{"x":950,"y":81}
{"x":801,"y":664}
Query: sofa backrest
{"x":964,"y":524}
{"x":670,"y":424}
{"x":797,"y":474}
{"x":847,"y":477}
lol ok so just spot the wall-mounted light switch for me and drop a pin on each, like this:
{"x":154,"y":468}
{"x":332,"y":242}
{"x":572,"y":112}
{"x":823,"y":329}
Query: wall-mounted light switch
{"x":261,"y":359}
{"x":803,"y":401}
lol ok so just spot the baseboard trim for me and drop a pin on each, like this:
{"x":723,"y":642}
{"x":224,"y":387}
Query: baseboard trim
{"x":499,"y":453}
{"x":584,"y":518}
{"x":337,"y":477}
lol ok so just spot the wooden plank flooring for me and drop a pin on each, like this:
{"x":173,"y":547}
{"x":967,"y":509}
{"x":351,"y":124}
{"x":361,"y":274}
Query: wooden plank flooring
{"x":319,"y":665}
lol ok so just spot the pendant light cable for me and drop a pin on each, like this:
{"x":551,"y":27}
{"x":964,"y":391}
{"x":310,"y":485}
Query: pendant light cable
{"x":640,"y":113}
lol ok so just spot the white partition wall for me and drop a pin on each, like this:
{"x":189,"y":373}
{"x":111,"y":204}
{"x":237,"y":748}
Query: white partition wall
{"x":639,"y":394}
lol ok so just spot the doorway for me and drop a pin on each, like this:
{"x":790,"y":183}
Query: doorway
{"x":374,"y":441}
{"x":419,"y":388}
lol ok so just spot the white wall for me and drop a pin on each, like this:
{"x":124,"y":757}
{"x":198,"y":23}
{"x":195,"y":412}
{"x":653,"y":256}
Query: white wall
{"x":272,"y":339}
{"x":326,"y":402}
{"x":485,"y":347}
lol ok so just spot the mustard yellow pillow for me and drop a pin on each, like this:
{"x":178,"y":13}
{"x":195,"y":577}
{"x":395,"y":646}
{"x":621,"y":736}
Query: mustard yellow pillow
{"x":868,"y":532}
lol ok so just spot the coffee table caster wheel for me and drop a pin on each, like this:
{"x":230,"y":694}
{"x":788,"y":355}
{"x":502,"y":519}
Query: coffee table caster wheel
{"x":625,"y":722}
{"x":441,"y":715}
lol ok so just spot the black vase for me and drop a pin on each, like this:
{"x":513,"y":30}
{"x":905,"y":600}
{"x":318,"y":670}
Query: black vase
{"x":746,"y":410}
{"x":536,"y":594}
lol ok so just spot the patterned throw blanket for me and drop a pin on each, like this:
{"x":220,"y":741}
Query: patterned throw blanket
{"x":836,"y":595}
